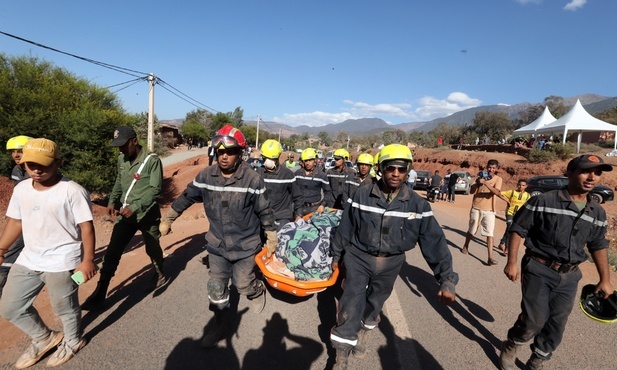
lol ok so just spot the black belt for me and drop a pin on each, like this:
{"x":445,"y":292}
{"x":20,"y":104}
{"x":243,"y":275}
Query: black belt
{"x":560,"y":267}
{"x":307,"y":204}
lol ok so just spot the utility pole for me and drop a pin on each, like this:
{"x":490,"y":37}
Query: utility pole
{"x":151,"y":81}
{"x":347,"y":142}
{"x":257,"y":136}
{"x":279,"y":135}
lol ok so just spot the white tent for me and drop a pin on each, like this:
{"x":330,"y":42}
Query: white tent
{"x":545,"y":118}
{"x":578,"y":120}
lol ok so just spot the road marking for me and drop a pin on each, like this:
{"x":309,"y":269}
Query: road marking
{"x":393,"y":309}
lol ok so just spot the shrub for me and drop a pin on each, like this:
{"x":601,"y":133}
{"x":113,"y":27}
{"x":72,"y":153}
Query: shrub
{"x":541,"y":156}
{"x":563,"y":151}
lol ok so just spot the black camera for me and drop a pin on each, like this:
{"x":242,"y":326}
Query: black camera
{"x":485,"y":175}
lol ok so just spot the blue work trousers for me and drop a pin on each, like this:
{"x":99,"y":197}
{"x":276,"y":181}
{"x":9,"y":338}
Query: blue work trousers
{"x":369,"y":281}
{"x":548,"y":298}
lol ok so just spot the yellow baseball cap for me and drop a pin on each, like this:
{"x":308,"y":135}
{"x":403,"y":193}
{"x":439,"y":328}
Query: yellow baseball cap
{"x":41,"y":151}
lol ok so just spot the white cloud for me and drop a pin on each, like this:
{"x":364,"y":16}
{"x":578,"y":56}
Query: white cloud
{"x":377,"y":110}
{"x":313,"y":118}
{"x":428,"y":108}
{"x":431,"y":108}
{"x":575,"y":4}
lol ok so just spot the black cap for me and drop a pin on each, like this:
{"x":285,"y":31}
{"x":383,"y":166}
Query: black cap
{"x":122,"y":135}
{"x":587,"y":161}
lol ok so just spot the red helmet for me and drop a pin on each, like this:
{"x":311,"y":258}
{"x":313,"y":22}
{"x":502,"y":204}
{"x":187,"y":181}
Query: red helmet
{"x":229,"y":137}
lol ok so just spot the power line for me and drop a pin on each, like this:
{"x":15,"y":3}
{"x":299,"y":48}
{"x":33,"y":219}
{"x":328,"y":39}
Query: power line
{"x":163,"y":83}
{"x":106,"y":65}
{"x":143,"y":77}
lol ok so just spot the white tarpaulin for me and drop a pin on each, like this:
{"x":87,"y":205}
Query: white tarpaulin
{"x":578,"y":120}
{"x":545,"y":118}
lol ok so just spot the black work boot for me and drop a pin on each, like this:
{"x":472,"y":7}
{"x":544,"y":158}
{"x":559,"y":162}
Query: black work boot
{"x":359,"y":350}
{"x":507,"y":358}
{"x":96,"y":300}
{"x":214,"y":335}
{"x":342,"y":358}
{"x":258,"y":298}
{"x":159,"y":280}
{"x":535,"y":363}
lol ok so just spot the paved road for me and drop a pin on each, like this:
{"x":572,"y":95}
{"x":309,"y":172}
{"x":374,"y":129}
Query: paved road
{"x":140,"y":331}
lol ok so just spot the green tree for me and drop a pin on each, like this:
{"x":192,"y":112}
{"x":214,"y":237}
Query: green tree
{"x":195,"y":130}
{"x":324,"y":137}
{"x":40,"y":100}
{"x":494,"y":125}
{"x":555,"y":105}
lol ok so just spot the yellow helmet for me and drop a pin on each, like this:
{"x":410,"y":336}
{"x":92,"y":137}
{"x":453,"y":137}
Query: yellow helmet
{"x":365,"y":158}
{"x":395,"y":152}
{"x":376,"y":159}
{"x":308,"y":153}
{"x":271,"y":149}
{"x":17,"y":142}
{"x":341,"y":153}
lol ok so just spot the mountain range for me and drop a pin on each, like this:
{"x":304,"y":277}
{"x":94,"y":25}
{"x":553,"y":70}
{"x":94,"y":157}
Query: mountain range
{"x":366,"y":126}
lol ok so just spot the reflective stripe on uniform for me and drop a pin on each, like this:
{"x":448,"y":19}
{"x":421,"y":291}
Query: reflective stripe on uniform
{"x":280,"y":181}
{"x":566,"y":212}
{"x":233,"y":189}
{"x":312,"y":179}
{"x":343,"y":340}
{"x":407,"y":215}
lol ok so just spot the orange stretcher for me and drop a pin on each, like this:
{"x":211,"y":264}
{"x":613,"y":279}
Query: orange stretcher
{"x":289,"y":285}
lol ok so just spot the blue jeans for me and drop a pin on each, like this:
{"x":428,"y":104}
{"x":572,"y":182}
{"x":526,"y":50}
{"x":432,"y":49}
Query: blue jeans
{"x":24,"y":285}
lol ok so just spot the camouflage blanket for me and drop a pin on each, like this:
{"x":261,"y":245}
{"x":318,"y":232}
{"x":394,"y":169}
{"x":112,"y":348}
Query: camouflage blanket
{"x":304,"y":246}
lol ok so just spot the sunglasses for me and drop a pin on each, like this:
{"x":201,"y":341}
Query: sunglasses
{"x":224,"y":141}
{"x":391,"y":169}
{"x":230,"y":151}
{"x":338,"y":158}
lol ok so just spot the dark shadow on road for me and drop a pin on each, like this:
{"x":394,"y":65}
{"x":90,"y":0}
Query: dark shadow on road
{"x":189,"y":354}
{"x":327,"y":307}
{"x":402,"y":353}
{"x":273,"y":353}
{"x":425,"y":283}
{"x":132,"y":290}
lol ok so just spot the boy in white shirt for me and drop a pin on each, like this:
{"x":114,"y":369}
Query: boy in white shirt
{"x":54,"y":214}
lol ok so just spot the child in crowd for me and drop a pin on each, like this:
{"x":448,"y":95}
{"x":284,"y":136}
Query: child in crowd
{"x":54,"y":214}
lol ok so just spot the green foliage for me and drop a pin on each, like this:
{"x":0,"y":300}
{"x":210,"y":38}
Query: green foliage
{"x":494,"y":125}
{"x":606,"y":144}
{"x":536,"y":155}
{"x":325,"y":139}
{"x":193,"y":129}
{"x":563,"y":151}
{"x":40,"y":100}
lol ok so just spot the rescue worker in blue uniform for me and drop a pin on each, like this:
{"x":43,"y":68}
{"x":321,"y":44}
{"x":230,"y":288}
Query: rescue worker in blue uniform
{"x":381,"y":223}
{"x":284,"y":196}
{"x":236,"y":205}
{"x":313,"y":184}
{"x":339,"y":175}
{"x":362,"y":178}
{"x":556,"y":227}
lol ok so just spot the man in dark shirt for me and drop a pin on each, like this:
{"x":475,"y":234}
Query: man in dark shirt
{"x":556,"y":226}
{"x":452,"y":185}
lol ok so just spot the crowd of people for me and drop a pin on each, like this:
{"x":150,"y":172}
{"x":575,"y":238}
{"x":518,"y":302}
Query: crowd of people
{"x":49,"y":239}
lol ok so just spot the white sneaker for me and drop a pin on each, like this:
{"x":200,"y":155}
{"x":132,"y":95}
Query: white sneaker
{"x":36,"y":351}
{"x":65,"y":353}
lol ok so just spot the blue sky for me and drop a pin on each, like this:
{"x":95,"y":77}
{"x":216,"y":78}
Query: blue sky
{"x":323,"y":61}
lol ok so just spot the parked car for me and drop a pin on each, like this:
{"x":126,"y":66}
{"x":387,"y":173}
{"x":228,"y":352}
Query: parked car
{"x":540,"y":184}
{"x":422,"y":180}
{"x":464,"y":182}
